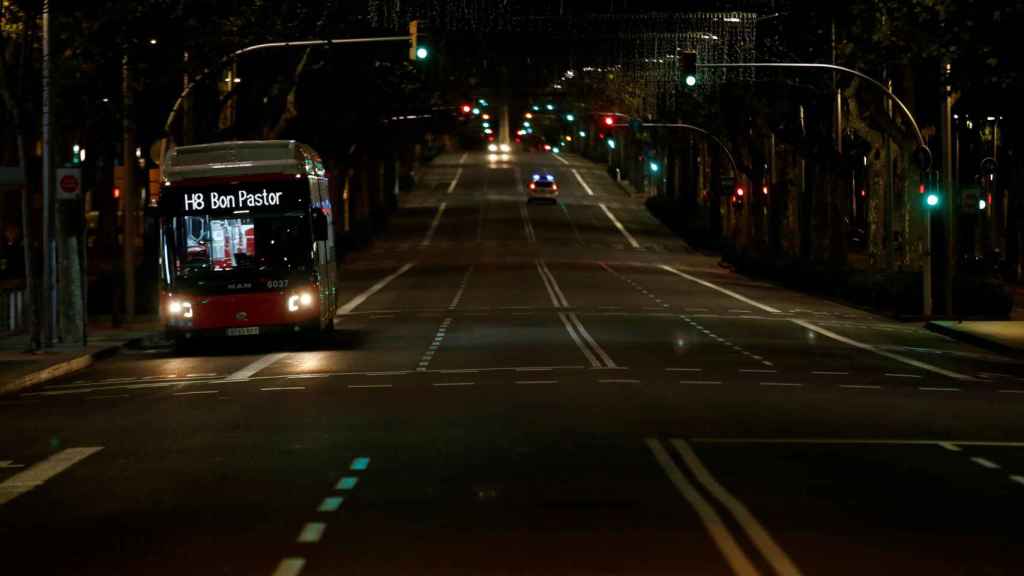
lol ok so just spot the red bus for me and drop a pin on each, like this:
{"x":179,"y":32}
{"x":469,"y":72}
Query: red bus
{"x":246,"y":241}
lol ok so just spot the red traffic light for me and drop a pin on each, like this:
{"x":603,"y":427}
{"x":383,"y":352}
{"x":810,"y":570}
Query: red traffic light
{"x":117,"y":192}
{"x":466,"y":108}
{"x":609,"y":121}
{"x":739,"y":192}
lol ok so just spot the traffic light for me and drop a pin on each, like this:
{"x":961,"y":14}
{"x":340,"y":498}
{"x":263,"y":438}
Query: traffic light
{"x":466,"y":108}
{"x":688,"y":67}
{"x":654,"y":166}
{"x":931,"y":199}
{"x":570,"y":117}
{"x":416,"y":50}
{"x":609,"y":121}
{"x":611,"y":143}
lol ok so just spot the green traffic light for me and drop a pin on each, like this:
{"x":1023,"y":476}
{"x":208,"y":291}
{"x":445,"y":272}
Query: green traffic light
{"x":691,"y":80}
{"x":611,"y":143}
{"x":932,"y":199}
{"x":654,"y":167}
{"x":570,"y":117}
{"x":422,"y":53}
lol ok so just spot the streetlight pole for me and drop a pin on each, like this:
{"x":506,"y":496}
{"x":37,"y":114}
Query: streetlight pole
{"x":49,"y":299}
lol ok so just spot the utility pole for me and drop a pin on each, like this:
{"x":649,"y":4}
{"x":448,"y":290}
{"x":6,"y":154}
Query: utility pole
{"x":49,"y":298}
{"x":130,"y":193}
{"x":948,"y":184}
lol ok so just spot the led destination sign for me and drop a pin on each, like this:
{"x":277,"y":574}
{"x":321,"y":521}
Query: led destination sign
{"x":225,"y":199}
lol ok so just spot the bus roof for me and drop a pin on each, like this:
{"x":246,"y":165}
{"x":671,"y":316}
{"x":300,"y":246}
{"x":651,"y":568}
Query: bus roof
{"x":241,"y":158}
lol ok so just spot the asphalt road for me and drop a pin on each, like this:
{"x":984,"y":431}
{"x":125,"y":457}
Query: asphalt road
{"x":545,"y":389}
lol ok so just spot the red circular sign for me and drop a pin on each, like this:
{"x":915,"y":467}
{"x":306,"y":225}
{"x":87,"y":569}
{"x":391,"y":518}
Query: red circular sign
{"x":69,"y":183}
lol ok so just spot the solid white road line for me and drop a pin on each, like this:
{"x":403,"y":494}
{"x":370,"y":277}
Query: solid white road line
{"x":790,"y":384}
{"x":608,"y":363}
{"x":440,"y":384}
{"x":433,"y":225}
{"x":560,"y":159}
{"x":536,"y":381}
{"x":618,"y":381}
{"x":830,"y":373}
{"x":359,"y":299}
{"x":890,"y":355}
{"x":290,"y":567}
{"x":527,"y":226}
{"x":462,"y":288}
{"x":369,"y":385}
{"x":557,"y":298}
{"x":938,"y":389}
{"x":276,"y":388}
{"x":451,"y":187}
{"x":985,"y":463}
{"x":757,"y":371}
{"x":713,"y":523}
{"x":1017,"y":479}
{"x":462,"y":159}
{"x":629,"y":237}
{"x":762,"y":540}
{"x":579,"y":343}
{"x":256,"y":366}
{"x":36,"y":474}
{"x":684,"y":369}
{"x":1009,"y":391}
{"x":699,"y":382}
{"x":195,"y":392}
{"x":725,"y":291}
{"x":860,"y":386}
{"x":582,"y":183}
{"x":311,"y":532}
{"x":950,"y":446}
{"x":892,"y":375}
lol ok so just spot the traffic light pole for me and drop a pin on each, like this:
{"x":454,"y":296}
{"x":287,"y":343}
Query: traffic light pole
{"x":923,"y":155}
{"x":732,"y":161}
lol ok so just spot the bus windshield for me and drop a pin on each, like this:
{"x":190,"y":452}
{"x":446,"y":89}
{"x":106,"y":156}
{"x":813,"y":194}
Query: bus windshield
{"x":206,"y":244}
{"x":221,"y":232}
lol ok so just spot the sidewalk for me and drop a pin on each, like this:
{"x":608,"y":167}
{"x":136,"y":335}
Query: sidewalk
{"x":20,"y":369}
{"x":1002,"y":336}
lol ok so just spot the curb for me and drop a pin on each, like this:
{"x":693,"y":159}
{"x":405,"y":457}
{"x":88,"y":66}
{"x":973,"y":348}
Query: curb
{"x":63,"y":368}
{"x":980,"y":342}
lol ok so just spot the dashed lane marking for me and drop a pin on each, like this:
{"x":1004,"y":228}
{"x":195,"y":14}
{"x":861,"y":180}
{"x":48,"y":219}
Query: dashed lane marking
{"x":1010,"y":391}
{"x":311,"y":532}
{"x":330,"y":504}
{"x":700,"y":382}
{"x":428,"y":356}
{"x":359,"y":299}
{"x":725,"y":291}
{"x":950,"y":446}
{"x":560,"y":159}
{"x":684,"y":369}
{"x":758,"y":370}
{"x":347,"y":483}
{"x":455,"y":181}
{"x":38,"y":473}
{"x":758,"y":534}
{"x":985,"y":463}
{"x":196,"y":392}
{"x":536,"y":381}
{"x":892,"y":375}
{"x":282,"y":388}
{"x":615,"y":221}
{"x":370,"y":386}
{"x":1017,"y":479}
{"x":786,"y":384}
{"x":618,"y":381}
{"x":938,"y":389}
{"x":444,"y":384}
{"x":462,"y":288}
{"x":856,"y":441}
{"x":725,"y":342}
{"x":860,"y":386}
{"x":290,"y":567}
{"x":830,"y":372}
{"x":876,"y":350}
{"x":434,"y":224}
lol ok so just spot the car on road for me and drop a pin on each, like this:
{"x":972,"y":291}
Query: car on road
{"x":542,"y":187}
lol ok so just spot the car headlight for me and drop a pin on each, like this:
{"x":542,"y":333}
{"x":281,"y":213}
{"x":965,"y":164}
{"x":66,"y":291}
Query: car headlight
{"x":492,"y":148}
{"x":181,"y":308}
{"x":506,"y":148}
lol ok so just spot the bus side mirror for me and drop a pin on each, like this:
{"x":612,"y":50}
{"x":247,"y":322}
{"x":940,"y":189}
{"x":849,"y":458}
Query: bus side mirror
{"x":319,"y":226}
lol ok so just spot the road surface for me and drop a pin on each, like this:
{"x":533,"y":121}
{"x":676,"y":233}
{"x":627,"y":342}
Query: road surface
{"x":542,"y":389}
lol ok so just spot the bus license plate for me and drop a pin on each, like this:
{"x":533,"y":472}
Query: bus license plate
{"x":247,"y":331}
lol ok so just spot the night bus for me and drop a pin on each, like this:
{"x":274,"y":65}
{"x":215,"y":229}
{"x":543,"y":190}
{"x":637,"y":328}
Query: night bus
{"x":246,"y":241}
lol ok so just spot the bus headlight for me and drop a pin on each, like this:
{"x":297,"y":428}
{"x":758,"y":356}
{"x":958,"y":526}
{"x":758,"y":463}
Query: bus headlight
{"x":181,"y":308}
{"x":299,"y":300}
